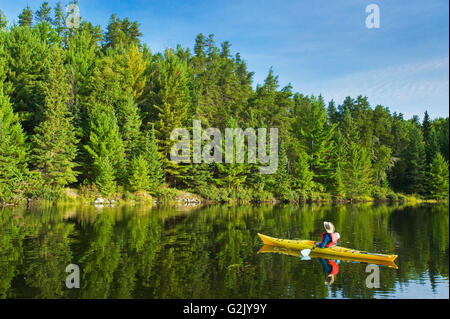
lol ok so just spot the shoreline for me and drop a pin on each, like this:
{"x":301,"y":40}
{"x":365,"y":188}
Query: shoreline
{"x":183,"y":198}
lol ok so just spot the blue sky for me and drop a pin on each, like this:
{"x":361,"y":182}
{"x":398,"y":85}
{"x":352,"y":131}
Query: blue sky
{"x":320,"y":47}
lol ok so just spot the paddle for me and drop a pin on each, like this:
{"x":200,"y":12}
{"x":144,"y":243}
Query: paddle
{"x":306,"y":252}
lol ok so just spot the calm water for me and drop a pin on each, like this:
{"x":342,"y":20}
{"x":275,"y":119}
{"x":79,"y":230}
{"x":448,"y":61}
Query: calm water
{"x":212,"y":252}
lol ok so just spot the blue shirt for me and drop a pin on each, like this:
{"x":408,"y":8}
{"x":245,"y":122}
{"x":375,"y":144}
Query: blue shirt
{"x":325,"y":241}
{"x":326,"y":266}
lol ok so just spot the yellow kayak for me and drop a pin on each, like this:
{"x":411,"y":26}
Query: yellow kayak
{"x":296,"y":253}
{"x":335,"y":251}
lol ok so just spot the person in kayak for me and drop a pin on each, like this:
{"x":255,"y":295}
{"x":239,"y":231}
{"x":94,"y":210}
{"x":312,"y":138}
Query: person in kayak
{"x":329,"y":238}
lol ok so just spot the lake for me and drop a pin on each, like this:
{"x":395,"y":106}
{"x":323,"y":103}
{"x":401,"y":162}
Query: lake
{"x":212,"y":251}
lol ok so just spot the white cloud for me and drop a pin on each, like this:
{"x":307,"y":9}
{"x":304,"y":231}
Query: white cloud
{"x":410,"y":88}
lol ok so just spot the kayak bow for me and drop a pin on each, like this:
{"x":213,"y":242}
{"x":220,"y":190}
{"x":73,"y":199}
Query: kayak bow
{"x":335,"y":251}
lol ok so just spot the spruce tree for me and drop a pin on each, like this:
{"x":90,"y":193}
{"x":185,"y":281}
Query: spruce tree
{"x":26,"y":17}
{"x":415,"y":161}
{"x":282,"y":188}
{"x":136,"y":78}
{"x":170,"y":99}
{"x":109,"y":86}
{"x":337,"y":186}
{"x":315,"y":136}
{"x":105,"y":149}
{"x":58,"y":20}
{"x":121,"y":33}
{"x":3,"y":21}
{"x":437,"y":178}
{"x":150,"y":154}
{"x":426,"y":126}
{"x":25,"y":52}
{"x":138,"y":178}
{"x":54,"y":142}
{"x":105,"y":175}
{"x":13,"y":150}
{"x":332,"y":113}
{"x":356,"y":171}
{"x":431,"y":146}
{"x":303,"y":180}
{"x":43,"y":14}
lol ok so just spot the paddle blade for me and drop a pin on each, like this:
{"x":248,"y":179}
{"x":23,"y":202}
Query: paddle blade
{"x":305,"y":258}
{"x":305,"y":252}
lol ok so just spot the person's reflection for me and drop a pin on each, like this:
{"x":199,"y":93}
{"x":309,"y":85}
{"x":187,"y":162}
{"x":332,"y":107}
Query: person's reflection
{"x":331,"y":268}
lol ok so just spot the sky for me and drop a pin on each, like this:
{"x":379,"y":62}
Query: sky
{"x":319,"y":47}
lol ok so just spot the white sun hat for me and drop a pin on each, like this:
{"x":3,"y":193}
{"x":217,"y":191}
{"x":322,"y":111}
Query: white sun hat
{"x":329,"y":227}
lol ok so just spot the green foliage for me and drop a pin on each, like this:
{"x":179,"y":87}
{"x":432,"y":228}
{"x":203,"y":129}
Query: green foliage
{"x":104,"y":149}
{"x":167,"y":194}
{"x":99,"y":108}
{"x":357,"y":171}
{"x":282,"y":186}
{"x":314,"y":136}
{"x":415,"y":161}
{"x":105,"y":175}
{"x":26,"y":17}
{"x":54,"y":142}
{"x":138,"y":178}
{"x":3,"y":21}
{"x":153,"y":161}
{"x":43,"y":14}
{"x":170,"y":99}
{"x":437,"y":178}
{"x":303,"y":176}
{"x":121,"y":33}
{"x":25,"y":52}
{"x":13,"y":151}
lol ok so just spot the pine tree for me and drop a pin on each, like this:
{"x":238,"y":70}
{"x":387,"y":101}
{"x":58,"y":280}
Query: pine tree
{"x":105,"y":178}
{"x":58,"y":20}
{"x":315,"y":136}
{"x":415,"y":161}
{"x":121,"y":33}
{"x":54,"y":142}
{"x":437,"y":178}
{"x":442,"y":126}
{"x":354,"y":160}
{"x":153,"y":159}
{"x":43,"y":14}
{"x":400,"y":133}
{"x":13,"y":150}
{"x":26,"y":17}
{"x":221,"y":92}
{"x":269,"y":107}
{"x":426,"y":126}
{"x":105,"y":149}
{"x":3,"y":21}
{"x":382,"y":163}
{"x":431,"y":146}
{"x":109,"y":86}
{"x":337,"y":187}
{"x":332,"y":113}
{"x":282,"y":187}
{"x":135,"y":73}
{"x":25,"y":51}
{"x":138,"y":178}
{"x":303,"y":180}
{"x":170,"y":98}
{"x":357,"y":171}
{"x":130,"y":129}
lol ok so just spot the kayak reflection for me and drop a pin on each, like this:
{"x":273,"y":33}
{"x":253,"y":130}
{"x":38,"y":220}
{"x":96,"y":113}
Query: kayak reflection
{"x":297,"y":253}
